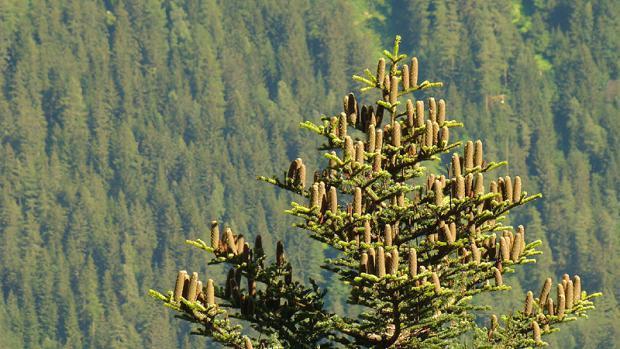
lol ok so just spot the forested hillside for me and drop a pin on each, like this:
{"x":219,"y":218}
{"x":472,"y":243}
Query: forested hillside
{"x":127,"y":126}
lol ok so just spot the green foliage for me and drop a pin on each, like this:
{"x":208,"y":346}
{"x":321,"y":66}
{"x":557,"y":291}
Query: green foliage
{"x":449,"y":227}
{"x":125,"y":122}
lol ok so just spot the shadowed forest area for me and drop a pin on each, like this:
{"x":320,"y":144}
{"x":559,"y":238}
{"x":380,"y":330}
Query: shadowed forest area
{"x":126,"y":127}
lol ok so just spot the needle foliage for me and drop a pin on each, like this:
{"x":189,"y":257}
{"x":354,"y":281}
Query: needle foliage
{"x":415,"y":246}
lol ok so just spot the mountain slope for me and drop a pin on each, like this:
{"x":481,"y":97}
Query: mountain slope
{"x":128,"y":126}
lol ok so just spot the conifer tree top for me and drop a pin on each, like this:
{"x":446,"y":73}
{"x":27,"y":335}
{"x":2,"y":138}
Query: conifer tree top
{"x":414,"y":246}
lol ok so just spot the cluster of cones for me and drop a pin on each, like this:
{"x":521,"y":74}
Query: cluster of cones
{"x":568,"y":293}
{"x":543,"y":308}
{"x":378,"y":262}
{"x":191,"y":289}
{"x":467,"y":182}
{"x":231,"y":245}
{"x":431,"y":131}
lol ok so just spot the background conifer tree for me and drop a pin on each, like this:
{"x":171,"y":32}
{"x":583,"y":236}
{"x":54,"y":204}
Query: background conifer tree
{"x":414,"y":242}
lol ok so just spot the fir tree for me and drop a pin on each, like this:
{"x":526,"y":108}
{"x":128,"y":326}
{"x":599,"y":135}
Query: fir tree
{"x":415,"y":246}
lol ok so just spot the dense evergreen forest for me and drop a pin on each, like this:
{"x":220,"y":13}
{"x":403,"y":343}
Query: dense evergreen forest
{"x":127,"y":126}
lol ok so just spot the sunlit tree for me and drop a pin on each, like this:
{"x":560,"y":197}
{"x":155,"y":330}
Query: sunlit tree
{"x":415,"y":245}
